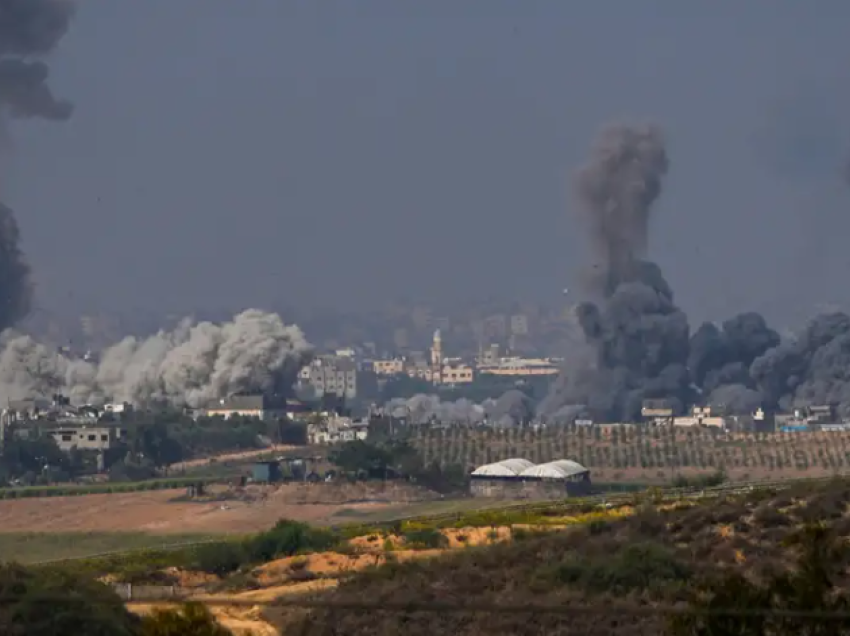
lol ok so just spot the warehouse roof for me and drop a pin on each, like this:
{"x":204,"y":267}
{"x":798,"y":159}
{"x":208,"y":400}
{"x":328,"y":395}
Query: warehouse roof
{"x":505,"y":468}
{"x":559,"y":469}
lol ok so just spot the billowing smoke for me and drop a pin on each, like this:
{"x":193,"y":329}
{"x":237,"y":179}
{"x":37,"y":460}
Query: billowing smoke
{"x":423,"y":409}
{"x":637,"y":336}
{"x":616,"y":190}
{"x":639,"y":342}
{"x":510,"y":409}
{"x":191,"y":365}
{"x":29,"y":31}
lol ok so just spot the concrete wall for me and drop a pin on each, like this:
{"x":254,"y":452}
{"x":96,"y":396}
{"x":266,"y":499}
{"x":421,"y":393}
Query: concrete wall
{"x":515,"y":488}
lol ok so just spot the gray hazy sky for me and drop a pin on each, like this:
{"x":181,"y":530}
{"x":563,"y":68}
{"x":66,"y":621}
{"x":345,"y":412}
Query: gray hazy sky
{"x":232,"y":154}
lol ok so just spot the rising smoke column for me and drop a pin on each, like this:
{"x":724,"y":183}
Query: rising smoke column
{"x":29,"y":31}
{"x":191,"y":365}
{"x":616,"y":190}
{"x":637,"y":336}
{"x":638,"y":340}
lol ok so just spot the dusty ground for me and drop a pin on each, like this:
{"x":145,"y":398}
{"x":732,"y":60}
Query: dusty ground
{"x":156,"y":512}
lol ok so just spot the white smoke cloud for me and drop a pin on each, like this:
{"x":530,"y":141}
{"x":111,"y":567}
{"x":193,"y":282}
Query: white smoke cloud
{"x":421,"y":409}
{"x":190,"y":365}
{"x":510,"y":409}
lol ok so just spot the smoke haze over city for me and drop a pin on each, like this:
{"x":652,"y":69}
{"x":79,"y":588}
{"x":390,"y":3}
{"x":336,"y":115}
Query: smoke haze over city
{"x":322,"y":155}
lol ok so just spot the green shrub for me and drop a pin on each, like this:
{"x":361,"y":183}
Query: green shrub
{"x":192,"y":619}
{"x":426,"y":538}
{"x":714,"y":479}
{"x":220,"y":558}
{"x":287,"y":538}
{"x":79,"y":605}
{"x":635,"y":567}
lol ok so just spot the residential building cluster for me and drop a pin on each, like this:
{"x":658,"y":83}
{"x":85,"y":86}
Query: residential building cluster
{"x":439,"y":369}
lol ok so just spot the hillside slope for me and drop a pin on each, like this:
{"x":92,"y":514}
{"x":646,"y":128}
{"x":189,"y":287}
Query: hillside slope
{"x":645,"y":560}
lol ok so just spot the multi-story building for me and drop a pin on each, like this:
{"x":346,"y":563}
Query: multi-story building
{"x":393,"y":366}
{"x":332,"y":375}
{"x":97,"y":438}
{"x":457,"y":374}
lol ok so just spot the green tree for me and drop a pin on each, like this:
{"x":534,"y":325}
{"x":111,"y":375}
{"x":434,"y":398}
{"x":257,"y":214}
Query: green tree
{"x":27,"y":459}
{"x":361,"y":457}
{"x":41,"y":602}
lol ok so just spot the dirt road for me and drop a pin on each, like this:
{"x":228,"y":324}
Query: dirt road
{"x":227,"y":457}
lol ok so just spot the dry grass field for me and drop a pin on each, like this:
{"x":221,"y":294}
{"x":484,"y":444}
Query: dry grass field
{"x":225,"y":510}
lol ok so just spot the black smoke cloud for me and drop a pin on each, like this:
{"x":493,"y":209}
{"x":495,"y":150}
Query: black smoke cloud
{"x":29,"y":31}
{"x":640,"y":343}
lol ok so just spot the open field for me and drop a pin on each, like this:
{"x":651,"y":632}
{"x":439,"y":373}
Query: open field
{"x":233,"y":511}
{"x":418,"y":509}
{"x":34,"y":547}
{"x":649,"y":455}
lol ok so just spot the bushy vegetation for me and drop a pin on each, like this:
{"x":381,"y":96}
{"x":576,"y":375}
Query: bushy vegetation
{"x":425,"y":539}
{"x":286,"y":538}
{"x":639,"y":566}
{"x":193,"y":619}
{"x":49,"y":602}
{"x":388,"y":458}
{"x":153,"y":443}
{"x":717,"y":478}
{"x":659,"y":453}
{"x":712,"y":557}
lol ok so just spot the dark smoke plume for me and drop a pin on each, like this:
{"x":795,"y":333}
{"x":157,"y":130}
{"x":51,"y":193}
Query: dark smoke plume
{"x":638,"y":337}
{"x":616,"y":190}
{"x":29,"y":30}
{"x":639,"y":341}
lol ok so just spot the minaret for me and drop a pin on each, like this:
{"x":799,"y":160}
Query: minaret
{"x":437,"y":359}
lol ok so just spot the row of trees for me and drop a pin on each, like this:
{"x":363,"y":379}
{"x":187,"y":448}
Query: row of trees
{"x":651,"y":448}
{"x":153,"y":442}
{"x":395,"y":459}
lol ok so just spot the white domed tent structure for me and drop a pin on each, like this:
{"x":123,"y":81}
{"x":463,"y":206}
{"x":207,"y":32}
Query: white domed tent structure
{"x":505,"y":468}
{"x":559,"y":469}
{"x":521,"y":479}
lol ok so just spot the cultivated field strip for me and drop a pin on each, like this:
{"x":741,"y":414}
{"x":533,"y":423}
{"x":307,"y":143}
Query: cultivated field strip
{"x":556,"y":507}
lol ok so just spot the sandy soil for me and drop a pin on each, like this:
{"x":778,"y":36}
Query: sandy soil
{"x":155,"y":512}
{"x":280,"y":577}
{"x":242,"y":619}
